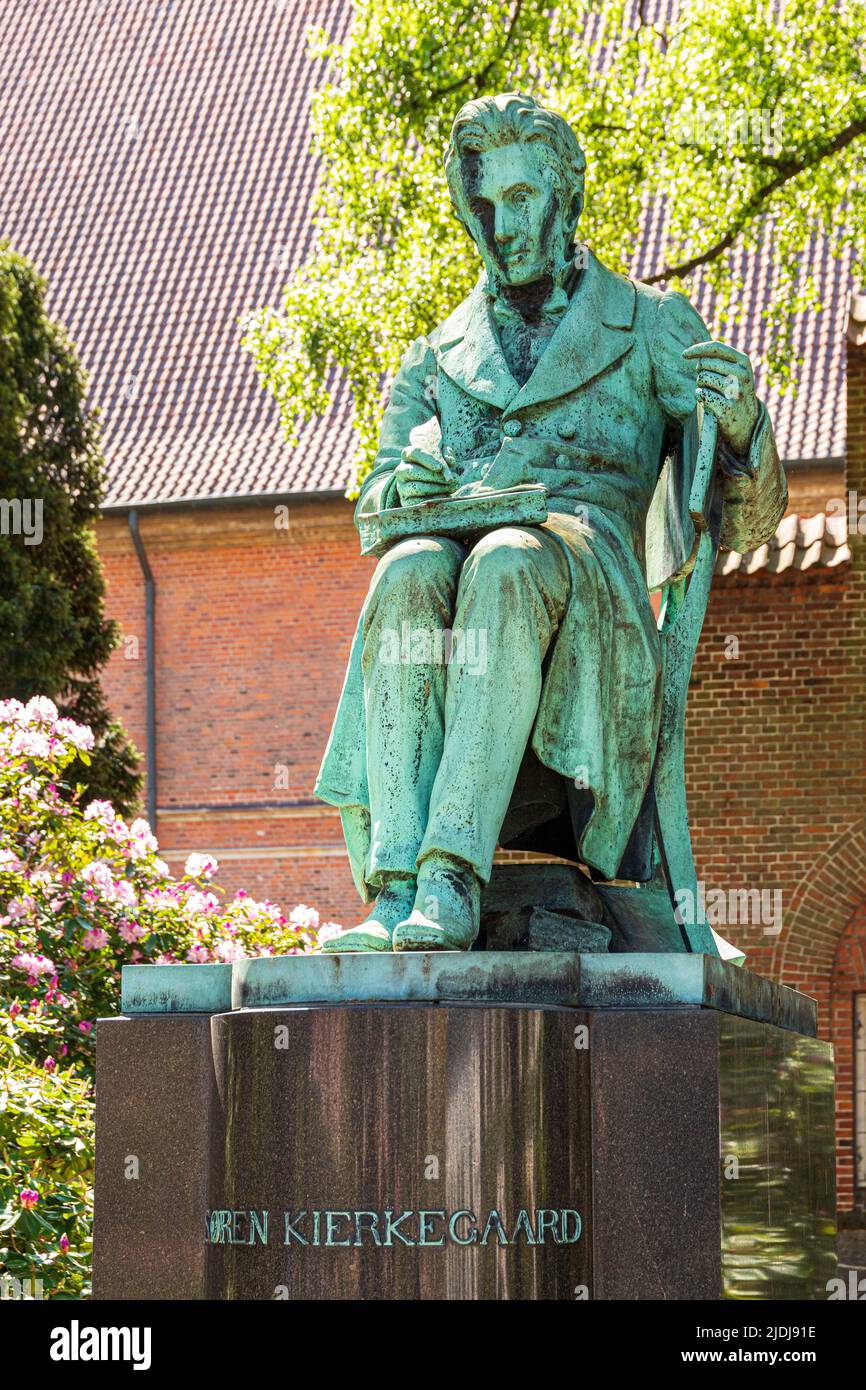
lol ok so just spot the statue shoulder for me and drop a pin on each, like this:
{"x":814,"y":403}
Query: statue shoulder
{"x":675,"y":322}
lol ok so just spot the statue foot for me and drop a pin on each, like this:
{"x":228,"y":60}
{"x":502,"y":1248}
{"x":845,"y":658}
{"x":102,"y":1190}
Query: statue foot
{"x":447,"y":910}
{"x":391,"y":906}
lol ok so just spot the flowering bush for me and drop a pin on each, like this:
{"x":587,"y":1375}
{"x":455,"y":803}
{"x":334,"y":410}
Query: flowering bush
{"x":81,"y":894}
{"x":46,"y":1174}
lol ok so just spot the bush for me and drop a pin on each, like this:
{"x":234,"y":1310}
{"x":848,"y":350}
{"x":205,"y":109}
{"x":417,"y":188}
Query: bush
{"x":46,"y":1173}
{"x":81,"y":894}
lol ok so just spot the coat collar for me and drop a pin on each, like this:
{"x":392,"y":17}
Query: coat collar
{"x":593,"y":334}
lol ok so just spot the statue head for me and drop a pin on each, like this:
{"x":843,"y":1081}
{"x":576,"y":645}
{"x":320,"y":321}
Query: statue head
{"x":515,"y":173}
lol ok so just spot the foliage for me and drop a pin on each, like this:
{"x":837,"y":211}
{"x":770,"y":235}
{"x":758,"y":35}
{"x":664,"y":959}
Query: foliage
{"x":746,"y":121}
{"x":81,"y":894}
{"x":46,"y":1172}
{"x":54,"y":637}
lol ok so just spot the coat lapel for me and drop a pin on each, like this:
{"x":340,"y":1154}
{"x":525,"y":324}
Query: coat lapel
{"x":476,"y":362}
{"x":594,"y":334}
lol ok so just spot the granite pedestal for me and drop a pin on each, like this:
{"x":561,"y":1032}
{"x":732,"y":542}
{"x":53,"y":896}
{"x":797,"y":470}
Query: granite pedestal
{"x":483,"y":1126}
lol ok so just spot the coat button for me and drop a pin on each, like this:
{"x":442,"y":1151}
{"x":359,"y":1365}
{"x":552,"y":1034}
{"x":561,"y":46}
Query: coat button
{"x":566,"y":431}
{"x":512,"y":428}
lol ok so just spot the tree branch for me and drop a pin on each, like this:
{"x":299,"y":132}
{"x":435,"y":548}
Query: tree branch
{"x":477,"y":77}
{"x":787,"y":170}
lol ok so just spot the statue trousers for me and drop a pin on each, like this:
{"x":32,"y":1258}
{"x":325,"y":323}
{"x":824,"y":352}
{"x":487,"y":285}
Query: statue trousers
{"x":453,"y":647}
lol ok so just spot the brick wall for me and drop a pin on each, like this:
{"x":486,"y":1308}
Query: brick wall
{"x":847,"y":982}
{"x":253,"y":627}
{"x":254,"y":624}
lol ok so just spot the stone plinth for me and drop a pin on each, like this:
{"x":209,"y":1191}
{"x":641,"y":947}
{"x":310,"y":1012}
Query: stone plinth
{"x":495,"y":1125}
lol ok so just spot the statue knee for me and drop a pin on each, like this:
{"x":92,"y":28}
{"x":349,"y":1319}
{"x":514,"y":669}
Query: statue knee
{"x":415,"y":570}
{"x":501,"y":557}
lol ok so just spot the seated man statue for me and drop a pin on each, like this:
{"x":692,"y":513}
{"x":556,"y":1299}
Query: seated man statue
{"x":477,"y":648}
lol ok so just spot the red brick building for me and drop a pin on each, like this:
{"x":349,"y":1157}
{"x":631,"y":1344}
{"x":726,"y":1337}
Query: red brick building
{"x":174,"y":196}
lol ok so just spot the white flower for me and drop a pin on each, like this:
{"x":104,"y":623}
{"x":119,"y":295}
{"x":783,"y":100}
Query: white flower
{"x":40,"y":710}
{"x":200,"y":866}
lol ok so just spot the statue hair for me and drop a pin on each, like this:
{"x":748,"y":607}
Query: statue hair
{"x":507,"y":119}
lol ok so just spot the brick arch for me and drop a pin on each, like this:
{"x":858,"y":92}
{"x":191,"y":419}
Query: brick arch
{"x":825,"y":900}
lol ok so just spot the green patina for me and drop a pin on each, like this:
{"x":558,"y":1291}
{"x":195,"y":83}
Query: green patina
{"x":567,"y":442}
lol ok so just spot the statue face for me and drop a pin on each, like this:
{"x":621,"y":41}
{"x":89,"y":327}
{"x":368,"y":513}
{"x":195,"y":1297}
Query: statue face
{"x":514,"y":213}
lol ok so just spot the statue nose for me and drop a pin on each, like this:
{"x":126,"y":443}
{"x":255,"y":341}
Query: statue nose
{"x":502,"y":230}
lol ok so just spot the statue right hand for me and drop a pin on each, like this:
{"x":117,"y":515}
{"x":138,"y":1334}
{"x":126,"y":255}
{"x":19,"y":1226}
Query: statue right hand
{"x":422,"y":474}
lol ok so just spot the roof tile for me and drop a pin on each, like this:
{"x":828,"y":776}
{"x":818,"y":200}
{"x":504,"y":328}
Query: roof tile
{"x":156,"y":166}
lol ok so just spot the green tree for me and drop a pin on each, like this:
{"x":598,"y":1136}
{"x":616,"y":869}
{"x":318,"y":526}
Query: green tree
{"x":747,"y":120}
{"x":54,"y":636}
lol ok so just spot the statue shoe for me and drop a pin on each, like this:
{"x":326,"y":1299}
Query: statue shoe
{"x":447,"y":910}
{"x":391,"y":906}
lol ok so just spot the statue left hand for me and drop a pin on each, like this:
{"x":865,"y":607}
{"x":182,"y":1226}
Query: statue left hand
{"x":726,"y":388}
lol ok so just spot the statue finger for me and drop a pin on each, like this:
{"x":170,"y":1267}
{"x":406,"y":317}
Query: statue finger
{"x":730,"y":384}
{"x":715,"y":350}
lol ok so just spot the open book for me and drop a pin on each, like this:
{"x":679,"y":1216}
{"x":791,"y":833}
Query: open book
{"x":469,"y":516}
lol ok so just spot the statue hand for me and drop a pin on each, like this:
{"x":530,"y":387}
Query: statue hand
{"x":422,"y":474}
{"x":726,"y":388}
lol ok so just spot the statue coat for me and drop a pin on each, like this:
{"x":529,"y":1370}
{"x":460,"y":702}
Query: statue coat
{"x":607,"y":422}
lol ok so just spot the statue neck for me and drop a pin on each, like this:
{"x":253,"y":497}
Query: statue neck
{"x":544,"y":298}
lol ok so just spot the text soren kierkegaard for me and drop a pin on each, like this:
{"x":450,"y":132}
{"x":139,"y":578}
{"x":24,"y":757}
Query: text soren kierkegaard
{"x":393,"y":1227}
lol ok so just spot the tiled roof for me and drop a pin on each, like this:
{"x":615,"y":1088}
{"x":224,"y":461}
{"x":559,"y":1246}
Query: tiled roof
{"x":799,"y":543}
{"x":155,"y":164}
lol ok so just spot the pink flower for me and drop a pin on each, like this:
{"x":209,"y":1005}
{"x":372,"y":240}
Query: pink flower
{"x":19,"y":907}
{"x":64,"y":1243}
{"x":124,"y":892}
{"x":14,"y":1009}
{"x":303,"y":916}
{"x":62,"y":1050}
{"x":40,"y":710}
{"x":30,"y":743}
{"x":85,"y":1027}
{"x":49,"y":1064}
{"x":200,"y":866}
{"x":197,"y":903}
{"x":33,"y":965}
{"x":229,"y":950}
{"x":142,"y":840}
{"x":199,"y":954}
{"x":99,"y":874}
{"x":77,"y":734}
{"x":94,"y":939}
{"x":327,"y":931}
{"x":132,"y":931}
{"x":28,"y":1197}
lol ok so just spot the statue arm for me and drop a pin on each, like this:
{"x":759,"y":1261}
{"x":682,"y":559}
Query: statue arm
{"x":754,"y":486}
{"x":412,"y":402}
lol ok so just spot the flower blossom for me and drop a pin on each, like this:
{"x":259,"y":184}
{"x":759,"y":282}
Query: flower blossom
{"x":303,"y":916}
{"x":200,"y":866}
{"x":33,"y":965}
{"x":94,"y":939}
